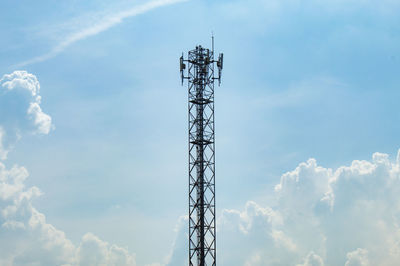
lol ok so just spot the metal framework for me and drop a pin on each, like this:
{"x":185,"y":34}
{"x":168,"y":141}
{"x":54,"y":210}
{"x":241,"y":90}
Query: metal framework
{"x":201,"y":76}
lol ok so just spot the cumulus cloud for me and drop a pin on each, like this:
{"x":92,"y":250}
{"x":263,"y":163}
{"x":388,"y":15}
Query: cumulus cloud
{"x":347,"y":216}
{"x":357,"y":258}
{"x":3,"y":151}
{"x":27,"y":239}
{"x":20,"y":101}
{"x":94,"y":251}
{"x":312,"y":259}
{"x":25,"y":236}
{"x":20,"y":109}
{"x":179,"y":252}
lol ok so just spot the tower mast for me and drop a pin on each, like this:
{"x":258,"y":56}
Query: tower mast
{"x":202,"y":224}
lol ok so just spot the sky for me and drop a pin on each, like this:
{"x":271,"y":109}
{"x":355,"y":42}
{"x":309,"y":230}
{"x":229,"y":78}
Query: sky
{"x":93,"y":131}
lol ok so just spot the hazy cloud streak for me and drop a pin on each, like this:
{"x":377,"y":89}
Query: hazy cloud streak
{"x":103,"y":24}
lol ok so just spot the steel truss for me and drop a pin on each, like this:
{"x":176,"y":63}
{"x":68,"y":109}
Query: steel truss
{"x":202,"y":223}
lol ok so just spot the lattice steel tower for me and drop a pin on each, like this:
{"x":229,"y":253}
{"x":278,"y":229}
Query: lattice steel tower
{"x":201,"y":76}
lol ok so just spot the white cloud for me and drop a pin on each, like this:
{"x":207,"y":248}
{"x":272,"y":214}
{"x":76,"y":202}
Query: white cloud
{"x":3,"y":151}
{"x":40,"y":119}
{"x":348,"y":216}
{"x":358,"y":257}
{"x":93,"y":251}
{"x":27,"y":239}
{"x":312,"y":259}
{"x":102,"y":24}
{"x":20,"y":109}
{"x":179,"y":253}
{"x":25,"y":236}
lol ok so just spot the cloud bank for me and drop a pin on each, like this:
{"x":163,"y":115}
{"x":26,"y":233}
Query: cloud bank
{"x":27,"y":239}
{"x":348,"y":216}
{"x":103,"y":24}
{"x":25,"y":236}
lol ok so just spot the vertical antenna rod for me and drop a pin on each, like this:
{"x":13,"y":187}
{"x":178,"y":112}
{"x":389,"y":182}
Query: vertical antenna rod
{"x":212,"y":41}
{"x":200,"y":75}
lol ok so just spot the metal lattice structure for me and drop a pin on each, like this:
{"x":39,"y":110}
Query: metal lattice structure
{"x":202,"y":224}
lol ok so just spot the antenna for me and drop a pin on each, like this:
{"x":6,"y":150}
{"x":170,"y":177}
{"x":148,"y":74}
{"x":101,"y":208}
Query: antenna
{"x":220,"y":65}
{"x":212,"y":42}
{"x":182,"y":67}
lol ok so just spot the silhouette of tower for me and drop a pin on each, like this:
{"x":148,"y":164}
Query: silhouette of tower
{"x":200,"y":73}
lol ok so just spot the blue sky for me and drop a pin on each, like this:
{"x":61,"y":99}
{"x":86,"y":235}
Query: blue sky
{"x":301,"y":79}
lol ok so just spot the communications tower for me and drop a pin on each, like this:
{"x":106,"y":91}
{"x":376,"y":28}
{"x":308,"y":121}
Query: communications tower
{"x":200,"y":74}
